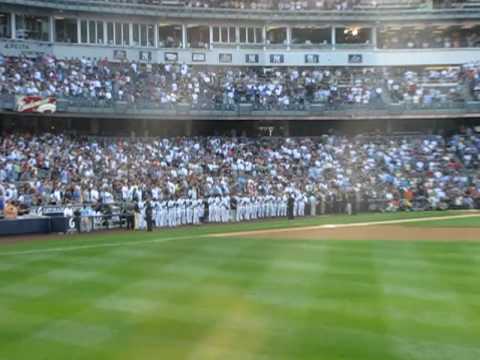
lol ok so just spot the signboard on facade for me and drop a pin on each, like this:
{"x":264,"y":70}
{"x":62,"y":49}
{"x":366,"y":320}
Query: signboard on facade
{"x":251,"y":58}
{"x":225,"y":58}
{"x":171,"y":57}
{"x":355,"y":59}
{"x":277,"y":58}
{"x":312,"y":58}
{"x":145,"y":56}
{"x":120,"y":54}
{"x":199,"y":57}
{"x":11,"y":47}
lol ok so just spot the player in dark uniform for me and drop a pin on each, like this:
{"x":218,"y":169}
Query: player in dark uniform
{"x":149,"y":216}
{"x":290,"y":205}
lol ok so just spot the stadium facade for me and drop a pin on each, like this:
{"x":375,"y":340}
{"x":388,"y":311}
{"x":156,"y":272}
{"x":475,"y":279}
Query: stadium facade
{"x":169,"y":32}
{"x":155,"y":33}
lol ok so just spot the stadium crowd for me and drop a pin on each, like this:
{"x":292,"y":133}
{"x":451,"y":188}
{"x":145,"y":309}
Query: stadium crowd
{"x":472,"y":79}
{"x":400,"y":172}
{"x":165,"y":85}
{"x":299,"y":5}
{"x":170,"y":84}
{"x":428,"y":87}
{"x":282,"y":5}
{"x":428,"y":38}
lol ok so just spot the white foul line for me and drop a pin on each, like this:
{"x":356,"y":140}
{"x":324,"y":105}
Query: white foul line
{"x":336,"y":226}
{"x":240,"y":233}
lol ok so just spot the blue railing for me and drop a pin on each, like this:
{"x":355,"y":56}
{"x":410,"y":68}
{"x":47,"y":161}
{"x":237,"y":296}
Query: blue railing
{"x":255,"y":111}
{"x":80,"y":105}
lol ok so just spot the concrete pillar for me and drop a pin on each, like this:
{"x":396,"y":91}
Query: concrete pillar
{"x":184,"y":36}
{"x":79,"y":31}
{"x":130,"y":33}
{"x":51,"y":24}
{"x":289,"y":37}
{"x":155,"y":36}
{"x":115,"y":33}
{"x":333,"y":37}
{"x":13,"y":26}
{"x":264,"y":34}
{"x":374,"y":37}
{"x":286,"y":128}
{"x":210,"y":31}
{"x":237,"y":36}
{"x":88,"y":31}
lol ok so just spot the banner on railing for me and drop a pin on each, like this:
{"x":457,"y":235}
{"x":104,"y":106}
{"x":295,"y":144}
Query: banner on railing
{"x":36,"y":104}
{"x":93,"y":223}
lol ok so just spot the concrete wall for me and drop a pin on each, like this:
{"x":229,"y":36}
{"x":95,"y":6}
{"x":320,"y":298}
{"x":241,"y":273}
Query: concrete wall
{"x":326,"y":57}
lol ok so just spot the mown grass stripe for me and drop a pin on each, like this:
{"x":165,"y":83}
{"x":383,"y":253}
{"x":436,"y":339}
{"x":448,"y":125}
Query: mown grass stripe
{"x":63,"y":249}
{"x":202,"y":298}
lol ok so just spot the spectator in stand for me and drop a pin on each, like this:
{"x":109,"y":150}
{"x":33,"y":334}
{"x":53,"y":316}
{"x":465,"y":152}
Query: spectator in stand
{"x":101,"y":82}
{"x":426,"y":88}
{"x":402,"y":172}
{"x":293,"y":5}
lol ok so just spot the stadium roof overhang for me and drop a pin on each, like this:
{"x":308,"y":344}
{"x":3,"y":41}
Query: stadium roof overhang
{"x":164,"y":12}
{"x":421,"y":115}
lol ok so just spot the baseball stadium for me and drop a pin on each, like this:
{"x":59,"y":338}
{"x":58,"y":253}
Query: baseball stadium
{"x":240,"y":179}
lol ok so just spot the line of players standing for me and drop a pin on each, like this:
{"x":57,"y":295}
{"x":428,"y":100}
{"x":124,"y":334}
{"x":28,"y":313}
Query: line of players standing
{"x":225,"y":209}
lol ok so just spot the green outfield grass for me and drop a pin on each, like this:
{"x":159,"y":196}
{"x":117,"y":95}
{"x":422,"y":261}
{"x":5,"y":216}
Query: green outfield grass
{"x":178,"y":294}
